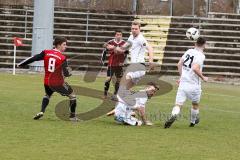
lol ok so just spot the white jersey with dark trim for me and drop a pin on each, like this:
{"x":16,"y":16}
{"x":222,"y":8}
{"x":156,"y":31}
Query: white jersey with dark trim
{"x":190,"y":57}
{"x":138,"y":49}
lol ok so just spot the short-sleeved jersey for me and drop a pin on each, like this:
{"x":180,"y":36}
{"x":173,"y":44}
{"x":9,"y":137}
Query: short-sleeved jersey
{"x":141,"y":101}
{"x":53,"y":61}
{"x":123,"y":108}
{"x":55,"y":66}
{"x":139,"y":98}
{"x":190,"y":57}
{"x":138,"y":49}
{"x":116,"y":59}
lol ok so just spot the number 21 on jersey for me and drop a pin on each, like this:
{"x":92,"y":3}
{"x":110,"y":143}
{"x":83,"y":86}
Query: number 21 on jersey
{"x":188,"y":61}
{"x":51,"y":64}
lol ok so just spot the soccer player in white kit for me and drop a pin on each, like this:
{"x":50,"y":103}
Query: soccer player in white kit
{"x":123,"y":111}
{"x":137,"y":45}
{"x":190,"y":69}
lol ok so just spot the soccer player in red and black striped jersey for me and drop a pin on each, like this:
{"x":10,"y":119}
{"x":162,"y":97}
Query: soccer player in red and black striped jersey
{"x":56,"y":69}
{"x":115,"y":61}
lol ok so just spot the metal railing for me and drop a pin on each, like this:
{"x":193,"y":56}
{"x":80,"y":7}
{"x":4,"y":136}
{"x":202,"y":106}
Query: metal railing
{"x":199,"y":8}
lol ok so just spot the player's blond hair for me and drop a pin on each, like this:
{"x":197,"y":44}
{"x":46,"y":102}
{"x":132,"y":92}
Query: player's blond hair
{"x":136,"y":23}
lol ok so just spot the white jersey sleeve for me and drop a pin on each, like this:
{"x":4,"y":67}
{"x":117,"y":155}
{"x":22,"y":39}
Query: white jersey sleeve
{"x":143,"y":41}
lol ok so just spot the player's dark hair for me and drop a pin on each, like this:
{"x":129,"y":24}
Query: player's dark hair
{"x":200,"y":41}
{"x":59,"y":41}
{"x":153,"y":84}
{"x":118,"y":31}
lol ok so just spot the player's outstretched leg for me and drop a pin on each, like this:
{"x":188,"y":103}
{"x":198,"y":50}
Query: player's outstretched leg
{"x":175,"y":113}
{"x":112,"y":112}
{"x":45,"y":102}
{"x":194,"y":117}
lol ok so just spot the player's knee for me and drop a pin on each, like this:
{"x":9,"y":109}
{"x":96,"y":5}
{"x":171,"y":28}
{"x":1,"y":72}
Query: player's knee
{"x":72,"y":97}
{"x":195,"y":105}
{"x":47,"y":96}
{"x":128,"y":76}
{"x":118,"y":80}
{"x":108,"y":79}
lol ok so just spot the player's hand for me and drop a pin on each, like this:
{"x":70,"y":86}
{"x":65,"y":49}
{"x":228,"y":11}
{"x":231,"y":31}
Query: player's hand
{"x":118,"y":50}
{"x":151,"y":67}
{"x":205,"y":79}
{"x":178,"y":82}
{"x":110,"y":47}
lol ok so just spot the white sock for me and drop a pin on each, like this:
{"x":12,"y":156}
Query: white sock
{"x":194,"y":114}
{"x":175,"y":110}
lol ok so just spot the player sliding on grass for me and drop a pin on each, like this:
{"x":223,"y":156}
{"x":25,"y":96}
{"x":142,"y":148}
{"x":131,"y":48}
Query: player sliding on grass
{"x":190,"y":69}
{"x":56,"y":69}
{"x":123,"y":112}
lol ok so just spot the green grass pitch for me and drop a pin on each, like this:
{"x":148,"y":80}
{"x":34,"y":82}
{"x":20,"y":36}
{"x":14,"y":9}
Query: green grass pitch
{"x":217,"y":137}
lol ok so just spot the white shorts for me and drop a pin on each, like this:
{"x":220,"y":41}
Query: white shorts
{"x":190,"y":92}
{"x":123,"y":115}
{"x":136,"y":76}
{"x":124,"y":120}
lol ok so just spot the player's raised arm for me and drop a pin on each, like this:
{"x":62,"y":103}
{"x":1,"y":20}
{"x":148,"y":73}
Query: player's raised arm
{"x":37,"y":57}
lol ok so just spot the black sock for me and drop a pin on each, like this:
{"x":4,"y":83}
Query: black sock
{"x":116,"y":87}
{"x":45,"y":102}
{"x":107,"y":83}
{"x":73,"y":104}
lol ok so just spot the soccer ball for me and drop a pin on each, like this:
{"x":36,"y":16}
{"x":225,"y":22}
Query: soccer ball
{"x":193,"y":33}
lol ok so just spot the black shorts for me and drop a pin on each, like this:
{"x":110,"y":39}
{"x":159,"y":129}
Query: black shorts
{"x":64,"y":90}
{"x":115,"y":70}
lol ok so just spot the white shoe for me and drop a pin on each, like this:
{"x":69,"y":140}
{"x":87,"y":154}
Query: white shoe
{"x":74,"y":119}
{"x":139,"y":123}
{"x":148,"y":123}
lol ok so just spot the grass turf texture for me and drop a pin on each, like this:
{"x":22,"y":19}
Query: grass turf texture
{"x":216,"y":137}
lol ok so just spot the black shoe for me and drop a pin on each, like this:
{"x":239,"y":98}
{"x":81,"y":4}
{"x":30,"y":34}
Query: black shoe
{"x":170,"y":121}
{"x":114,"y":98}
{"x":196,"y":122}
{"x":191,"y":125}
{"x":38,"y":116}
{"x":73,"y":117}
